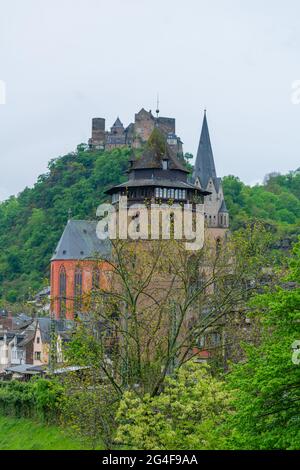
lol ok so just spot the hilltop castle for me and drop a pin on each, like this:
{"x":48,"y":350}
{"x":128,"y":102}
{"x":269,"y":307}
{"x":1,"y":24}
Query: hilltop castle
{"x":136,"y":134}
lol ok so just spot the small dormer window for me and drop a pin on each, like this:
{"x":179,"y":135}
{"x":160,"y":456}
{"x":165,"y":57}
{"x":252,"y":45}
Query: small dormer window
{"x":165,"y":164}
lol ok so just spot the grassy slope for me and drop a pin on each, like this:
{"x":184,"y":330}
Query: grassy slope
{"x":24,"y":434}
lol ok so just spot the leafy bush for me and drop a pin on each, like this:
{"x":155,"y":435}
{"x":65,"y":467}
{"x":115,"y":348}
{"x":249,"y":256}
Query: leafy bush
{"x":184,"y":416}
{"x":37,"y":398}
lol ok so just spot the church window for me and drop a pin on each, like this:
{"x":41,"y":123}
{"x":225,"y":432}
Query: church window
{"x":62,"y":292}
{"x":176,"y":193}
{"x":183,"y":194}
{"x":165,"y":193}
{"x":165,"y":164}
{"x":157,"y":192}
{"x":78,"y":290}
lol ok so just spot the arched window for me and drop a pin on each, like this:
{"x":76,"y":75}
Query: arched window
{"x":62,"y":292}
{"x":77,"y":291}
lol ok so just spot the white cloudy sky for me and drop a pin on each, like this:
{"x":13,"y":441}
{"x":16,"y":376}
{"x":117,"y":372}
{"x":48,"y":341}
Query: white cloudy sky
{"x":65,"y":61}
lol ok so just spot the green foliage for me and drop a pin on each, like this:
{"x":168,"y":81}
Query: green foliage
{"x":266,"y":385}
{"x":88,"y":406}
{"x":277,"y":202}
{"x":184,"y":416}
{"x":32,"y":222}
{"x":157,"y":142}
{"x":36,"y":398}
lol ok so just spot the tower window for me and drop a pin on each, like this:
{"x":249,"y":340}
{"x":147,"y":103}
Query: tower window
{"x":62,"y":292}
{"x":165,"y":164}
{"x":78,"y":290}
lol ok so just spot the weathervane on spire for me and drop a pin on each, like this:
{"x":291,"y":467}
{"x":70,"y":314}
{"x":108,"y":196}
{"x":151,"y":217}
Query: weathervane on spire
{"x":70,"y":214}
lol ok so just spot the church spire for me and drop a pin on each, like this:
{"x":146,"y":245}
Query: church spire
{"x":205,"y":165}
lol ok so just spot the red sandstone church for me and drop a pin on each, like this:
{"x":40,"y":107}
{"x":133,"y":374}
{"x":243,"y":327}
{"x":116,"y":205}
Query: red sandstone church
{"x":76,"y":267}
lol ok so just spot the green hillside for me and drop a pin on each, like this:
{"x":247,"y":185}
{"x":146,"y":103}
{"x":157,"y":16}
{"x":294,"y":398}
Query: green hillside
{"x":32,"y":222}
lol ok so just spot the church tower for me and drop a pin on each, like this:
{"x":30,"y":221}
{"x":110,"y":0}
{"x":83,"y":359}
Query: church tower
{"x":205,"y":177}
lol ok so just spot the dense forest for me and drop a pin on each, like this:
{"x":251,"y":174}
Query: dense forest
{"x":32,"y":222}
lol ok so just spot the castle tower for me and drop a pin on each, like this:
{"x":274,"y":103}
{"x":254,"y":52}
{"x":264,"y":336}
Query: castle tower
{"x":97,"y":141}
{"x":205,"y":177}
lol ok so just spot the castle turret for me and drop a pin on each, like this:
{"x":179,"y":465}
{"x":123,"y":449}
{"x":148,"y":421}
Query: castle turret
{"x":117,"y":127}
{"x":205,"y":177}
{"x":98,"y":134}
{"x":117,"y":135}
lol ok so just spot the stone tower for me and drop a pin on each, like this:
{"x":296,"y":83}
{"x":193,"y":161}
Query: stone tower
{"x":205,"y":177}
{"x":98,"y":134}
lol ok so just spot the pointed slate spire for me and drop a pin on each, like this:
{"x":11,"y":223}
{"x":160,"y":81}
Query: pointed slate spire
{"x":117,"y":123}
{"x":205,"y":165}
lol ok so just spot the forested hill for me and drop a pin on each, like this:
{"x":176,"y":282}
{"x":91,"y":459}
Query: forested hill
{"x":31,"y":223}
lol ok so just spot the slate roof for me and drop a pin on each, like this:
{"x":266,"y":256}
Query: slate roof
{"x":205,"y":165}
{"x":157,"y":182}
{"x":45,"y":328}
{"x":22,"y":369}
{"x":79,"y":241}
{"x":223,"y":207}
{"x":27,"y":338}
{"x":117,"y":123}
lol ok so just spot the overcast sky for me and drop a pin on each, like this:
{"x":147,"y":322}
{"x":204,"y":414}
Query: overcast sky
{"x":65,"y":61}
